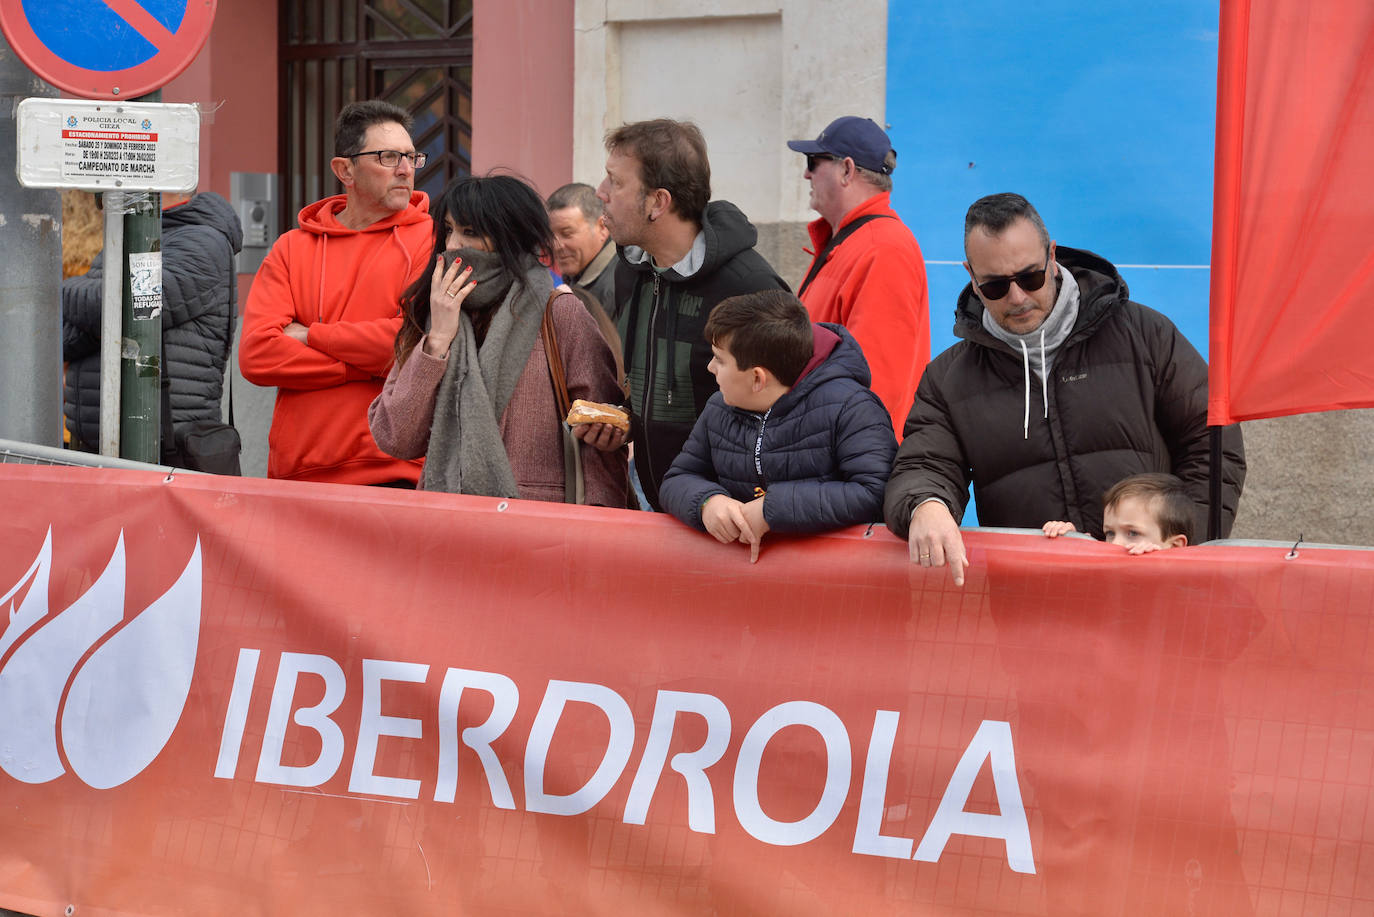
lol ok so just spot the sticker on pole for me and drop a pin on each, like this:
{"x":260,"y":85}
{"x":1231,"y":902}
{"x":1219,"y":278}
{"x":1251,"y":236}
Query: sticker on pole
{"x":124,"y":146}
{"x":145,"y":284}
{"x":107,"y":49}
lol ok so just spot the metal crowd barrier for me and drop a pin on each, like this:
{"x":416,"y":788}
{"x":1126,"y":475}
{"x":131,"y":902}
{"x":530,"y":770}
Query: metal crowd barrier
{"x":13,"y":452}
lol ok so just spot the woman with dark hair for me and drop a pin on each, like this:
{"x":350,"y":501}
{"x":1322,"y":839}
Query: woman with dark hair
{"x":470,"y":389}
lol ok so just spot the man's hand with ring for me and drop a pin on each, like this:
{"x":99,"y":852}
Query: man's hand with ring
{"x":934,"y":539}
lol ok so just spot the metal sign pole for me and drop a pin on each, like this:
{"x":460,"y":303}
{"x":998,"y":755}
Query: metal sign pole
{"x":30,"y":304}
{"x":141,"y":351}
{"x":140,"y":428}
{"x":110,"y":321}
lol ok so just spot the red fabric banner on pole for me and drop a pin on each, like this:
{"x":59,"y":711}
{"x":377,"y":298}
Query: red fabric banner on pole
{"x":1293,"y":220}
{"x":225,"y":696}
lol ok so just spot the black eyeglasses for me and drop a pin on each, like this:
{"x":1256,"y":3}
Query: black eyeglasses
{"x":1030,"y":281}
{"x":392,"y":158}
{"x":813,"y":158}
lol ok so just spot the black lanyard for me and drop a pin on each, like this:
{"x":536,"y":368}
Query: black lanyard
{"x":830,"y":246}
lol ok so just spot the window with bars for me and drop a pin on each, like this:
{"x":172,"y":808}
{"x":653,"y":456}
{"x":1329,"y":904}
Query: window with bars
{"x":413,"y":53}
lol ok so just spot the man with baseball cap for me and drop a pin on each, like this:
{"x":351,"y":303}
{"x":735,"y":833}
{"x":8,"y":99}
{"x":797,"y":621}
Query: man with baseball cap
{"x":867,"y":273}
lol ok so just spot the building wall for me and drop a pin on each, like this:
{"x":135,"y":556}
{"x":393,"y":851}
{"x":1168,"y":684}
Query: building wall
{"x":234,"y":80}
{"x":522,"y":89}
{"x":1310,"y":476}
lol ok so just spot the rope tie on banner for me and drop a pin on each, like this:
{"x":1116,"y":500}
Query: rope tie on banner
{"x":868,"y":532}
{"x":1293,"y":551}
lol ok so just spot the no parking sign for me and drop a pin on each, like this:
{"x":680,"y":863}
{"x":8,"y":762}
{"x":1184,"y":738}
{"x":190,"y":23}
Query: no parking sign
{"x":107,"y":49}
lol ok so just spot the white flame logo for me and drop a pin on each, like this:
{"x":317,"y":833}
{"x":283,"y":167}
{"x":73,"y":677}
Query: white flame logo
{"x":123,"y":701}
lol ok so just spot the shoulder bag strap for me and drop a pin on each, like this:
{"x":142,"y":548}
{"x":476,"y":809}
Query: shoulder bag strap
{"x":556,"y":373}
{"x":834,"y":242}
{"x":574,"y":480}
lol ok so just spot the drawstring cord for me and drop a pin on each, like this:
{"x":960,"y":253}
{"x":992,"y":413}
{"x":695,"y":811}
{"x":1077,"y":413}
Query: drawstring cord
{"x":1044,"y":375}
{"x":1025,"y":373}
{"x":1025,"y":378}
{"x":319,"y":285}
{"x":396,"y":237}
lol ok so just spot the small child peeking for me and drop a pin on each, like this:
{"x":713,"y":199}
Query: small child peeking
{"x":794,"y":441}
{"x":1143,"y":513}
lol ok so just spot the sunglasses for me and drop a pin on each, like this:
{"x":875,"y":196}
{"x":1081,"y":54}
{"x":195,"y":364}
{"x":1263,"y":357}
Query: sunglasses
{"x":1029,"y":281}
{"x":813,"y":158}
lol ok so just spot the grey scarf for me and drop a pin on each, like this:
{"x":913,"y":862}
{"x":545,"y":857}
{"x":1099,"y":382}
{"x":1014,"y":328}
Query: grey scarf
{"x":466,"y":454}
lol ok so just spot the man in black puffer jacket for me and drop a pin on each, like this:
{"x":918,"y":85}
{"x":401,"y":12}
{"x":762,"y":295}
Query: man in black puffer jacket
{"x":1061,"y":387}
{"x":200,"y":237}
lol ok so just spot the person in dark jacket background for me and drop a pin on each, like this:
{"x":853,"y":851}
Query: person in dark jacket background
{"x":679,"y":256}
{"x":794,"y":441}
{"x":200,"y":236}
{"x":1061,"y":387}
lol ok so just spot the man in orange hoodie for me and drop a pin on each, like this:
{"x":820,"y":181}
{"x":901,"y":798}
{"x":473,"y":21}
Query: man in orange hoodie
{"x":323,"y":312}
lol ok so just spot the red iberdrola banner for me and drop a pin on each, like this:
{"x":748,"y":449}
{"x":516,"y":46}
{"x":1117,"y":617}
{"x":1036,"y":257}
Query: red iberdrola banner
{"x":1293,"y":218}
{"x":224,"y":696}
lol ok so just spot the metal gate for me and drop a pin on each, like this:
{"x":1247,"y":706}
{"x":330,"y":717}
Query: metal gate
{"x":413,"y":53}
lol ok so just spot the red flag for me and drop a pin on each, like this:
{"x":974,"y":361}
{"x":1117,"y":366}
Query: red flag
{"x":1293,"y":229}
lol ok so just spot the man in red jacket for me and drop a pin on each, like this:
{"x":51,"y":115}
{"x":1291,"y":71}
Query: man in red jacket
{"x":867,"y":272}
{"x":324,"y":309}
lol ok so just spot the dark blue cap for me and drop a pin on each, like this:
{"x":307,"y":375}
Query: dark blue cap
{"x":858,"y":138}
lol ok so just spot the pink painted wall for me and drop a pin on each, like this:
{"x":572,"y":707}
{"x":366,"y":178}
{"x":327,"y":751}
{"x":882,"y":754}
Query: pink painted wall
{"x":522,"y":89}
{"x":238,"y":68}
{"x":234,"y":79}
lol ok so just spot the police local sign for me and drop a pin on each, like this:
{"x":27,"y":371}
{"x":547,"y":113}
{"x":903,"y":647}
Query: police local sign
{"x":108,"y":146}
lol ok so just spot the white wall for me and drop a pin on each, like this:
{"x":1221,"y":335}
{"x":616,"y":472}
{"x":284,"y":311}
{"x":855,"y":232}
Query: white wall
{"x":752,"y":74}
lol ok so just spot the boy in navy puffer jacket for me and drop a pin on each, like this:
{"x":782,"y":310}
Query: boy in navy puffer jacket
{"x":794,"y":441}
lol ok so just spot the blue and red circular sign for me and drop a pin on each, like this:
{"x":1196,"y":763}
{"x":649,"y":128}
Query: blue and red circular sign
{"x":107,"y":49}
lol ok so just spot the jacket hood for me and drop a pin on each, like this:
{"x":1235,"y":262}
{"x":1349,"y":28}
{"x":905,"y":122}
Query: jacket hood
{"x":727,"y":232}
{"x":1100,"y":287}
{"x":320,"y":217}
{"x":837,"y":356}
{"x":207,"y":209}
